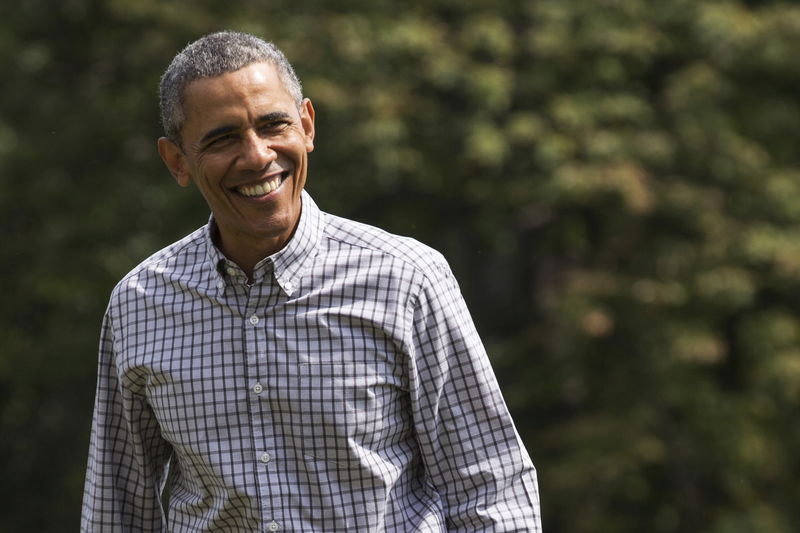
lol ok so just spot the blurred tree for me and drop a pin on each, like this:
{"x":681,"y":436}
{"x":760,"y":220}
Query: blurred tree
{"x":613,"y":181}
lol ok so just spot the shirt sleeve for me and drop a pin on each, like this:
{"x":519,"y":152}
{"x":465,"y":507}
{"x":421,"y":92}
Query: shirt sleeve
{"x":127,"y":455}
{"x":472,"y":453}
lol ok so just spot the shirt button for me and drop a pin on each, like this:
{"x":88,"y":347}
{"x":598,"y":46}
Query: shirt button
{"x":274,"y":526}
{"x":257,"y":388}
{"x":265,"y":457}
{"x":254,"y":320}
{"x":231,"y":271}
{"x":289,"y":285}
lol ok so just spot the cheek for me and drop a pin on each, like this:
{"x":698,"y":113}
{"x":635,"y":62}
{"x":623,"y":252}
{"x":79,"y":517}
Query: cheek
{"x":211,"y":170}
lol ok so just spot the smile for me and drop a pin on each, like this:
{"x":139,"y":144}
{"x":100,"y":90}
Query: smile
{"x":263,"y":188}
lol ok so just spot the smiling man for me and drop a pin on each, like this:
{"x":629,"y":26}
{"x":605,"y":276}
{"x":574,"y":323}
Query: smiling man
{"x":290,"y":369}
{"x":245,"y":144}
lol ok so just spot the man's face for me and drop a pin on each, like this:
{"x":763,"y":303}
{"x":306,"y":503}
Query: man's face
{"x":245,"y":146}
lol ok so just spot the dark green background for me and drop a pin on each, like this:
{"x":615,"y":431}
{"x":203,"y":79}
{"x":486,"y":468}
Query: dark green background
{"x":616,"y":184}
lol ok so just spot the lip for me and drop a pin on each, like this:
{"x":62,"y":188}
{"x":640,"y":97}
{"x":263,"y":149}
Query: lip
{"x":283,"y":175}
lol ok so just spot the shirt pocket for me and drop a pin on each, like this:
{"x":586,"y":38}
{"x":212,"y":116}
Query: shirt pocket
{"x":350,"y":409}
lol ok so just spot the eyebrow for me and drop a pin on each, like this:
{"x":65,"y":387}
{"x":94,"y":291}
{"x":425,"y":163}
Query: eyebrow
{"x":222,"y":130}
{"x":275,"y":115}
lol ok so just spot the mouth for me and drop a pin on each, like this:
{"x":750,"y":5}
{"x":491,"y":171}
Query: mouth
{"x":262,"y":188}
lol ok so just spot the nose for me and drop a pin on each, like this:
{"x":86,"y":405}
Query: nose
{"x":256,"y":152}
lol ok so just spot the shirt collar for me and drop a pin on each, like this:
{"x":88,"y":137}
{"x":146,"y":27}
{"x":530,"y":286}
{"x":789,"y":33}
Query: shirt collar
{"x":288,"y":264}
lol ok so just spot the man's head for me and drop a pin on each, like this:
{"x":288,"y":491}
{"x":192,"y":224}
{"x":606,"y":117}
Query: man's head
{"x":209,"y":57}
{"x":243,"y":137}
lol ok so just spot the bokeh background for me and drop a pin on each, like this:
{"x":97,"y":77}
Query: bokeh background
{"x":616,"y":184}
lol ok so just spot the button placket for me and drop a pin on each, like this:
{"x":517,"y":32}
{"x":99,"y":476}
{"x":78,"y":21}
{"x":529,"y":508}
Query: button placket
{"x":256,"y":317}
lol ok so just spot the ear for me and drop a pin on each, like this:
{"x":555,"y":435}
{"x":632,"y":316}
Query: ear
{"x":307,"y":121}
{"x":173,"y":157}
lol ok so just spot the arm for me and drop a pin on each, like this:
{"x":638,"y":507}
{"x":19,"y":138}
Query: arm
{"x":473,"y":455}
{"x":127,"y":456}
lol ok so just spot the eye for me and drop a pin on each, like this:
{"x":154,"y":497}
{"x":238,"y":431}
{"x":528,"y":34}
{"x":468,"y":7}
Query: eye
{"x":220,"y":141}
{"x":273,"y":126}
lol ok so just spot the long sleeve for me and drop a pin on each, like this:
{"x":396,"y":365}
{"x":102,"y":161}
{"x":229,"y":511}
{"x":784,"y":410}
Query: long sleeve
{"x":127,"y":456}
{"x":472,"y":453}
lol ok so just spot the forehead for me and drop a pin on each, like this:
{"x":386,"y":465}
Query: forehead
{"x":256,"y":88}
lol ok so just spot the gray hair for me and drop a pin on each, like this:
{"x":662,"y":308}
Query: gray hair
{"x":211,"y":56}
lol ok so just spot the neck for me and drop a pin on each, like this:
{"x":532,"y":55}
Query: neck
{"x":247,"y":253}
{"x":247,"y":258}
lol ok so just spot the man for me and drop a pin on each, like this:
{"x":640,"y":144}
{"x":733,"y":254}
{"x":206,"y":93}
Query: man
{"x":293,"y":370}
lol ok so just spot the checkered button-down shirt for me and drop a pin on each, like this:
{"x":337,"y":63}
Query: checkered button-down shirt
{"x":344,"y":389}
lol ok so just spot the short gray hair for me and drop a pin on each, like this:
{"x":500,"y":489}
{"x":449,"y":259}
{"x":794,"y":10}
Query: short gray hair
{"x":211,"y":56}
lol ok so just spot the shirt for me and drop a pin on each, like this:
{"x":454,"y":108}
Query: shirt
{"x":344,"y":389}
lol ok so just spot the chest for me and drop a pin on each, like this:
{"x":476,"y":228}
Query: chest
{"x":317,"y":363}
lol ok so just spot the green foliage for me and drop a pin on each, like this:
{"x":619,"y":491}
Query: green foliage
{"x":615,"y":183}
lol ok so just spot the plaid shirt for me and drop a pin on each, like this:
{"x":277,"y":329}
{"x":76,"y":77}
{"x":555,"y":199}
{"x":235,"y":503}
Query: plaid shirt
{"x":345,"y":389}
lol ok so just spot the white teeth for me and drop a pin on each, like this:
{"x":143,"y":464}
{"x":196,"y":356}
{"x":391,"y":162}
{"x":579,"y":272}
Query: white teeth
{"x":260,"y":189}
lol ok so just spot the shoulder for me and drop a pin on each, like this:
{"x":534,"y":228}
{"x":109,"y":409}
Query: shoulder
{"x":405,"y":251}
{"x":180,"y":259}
